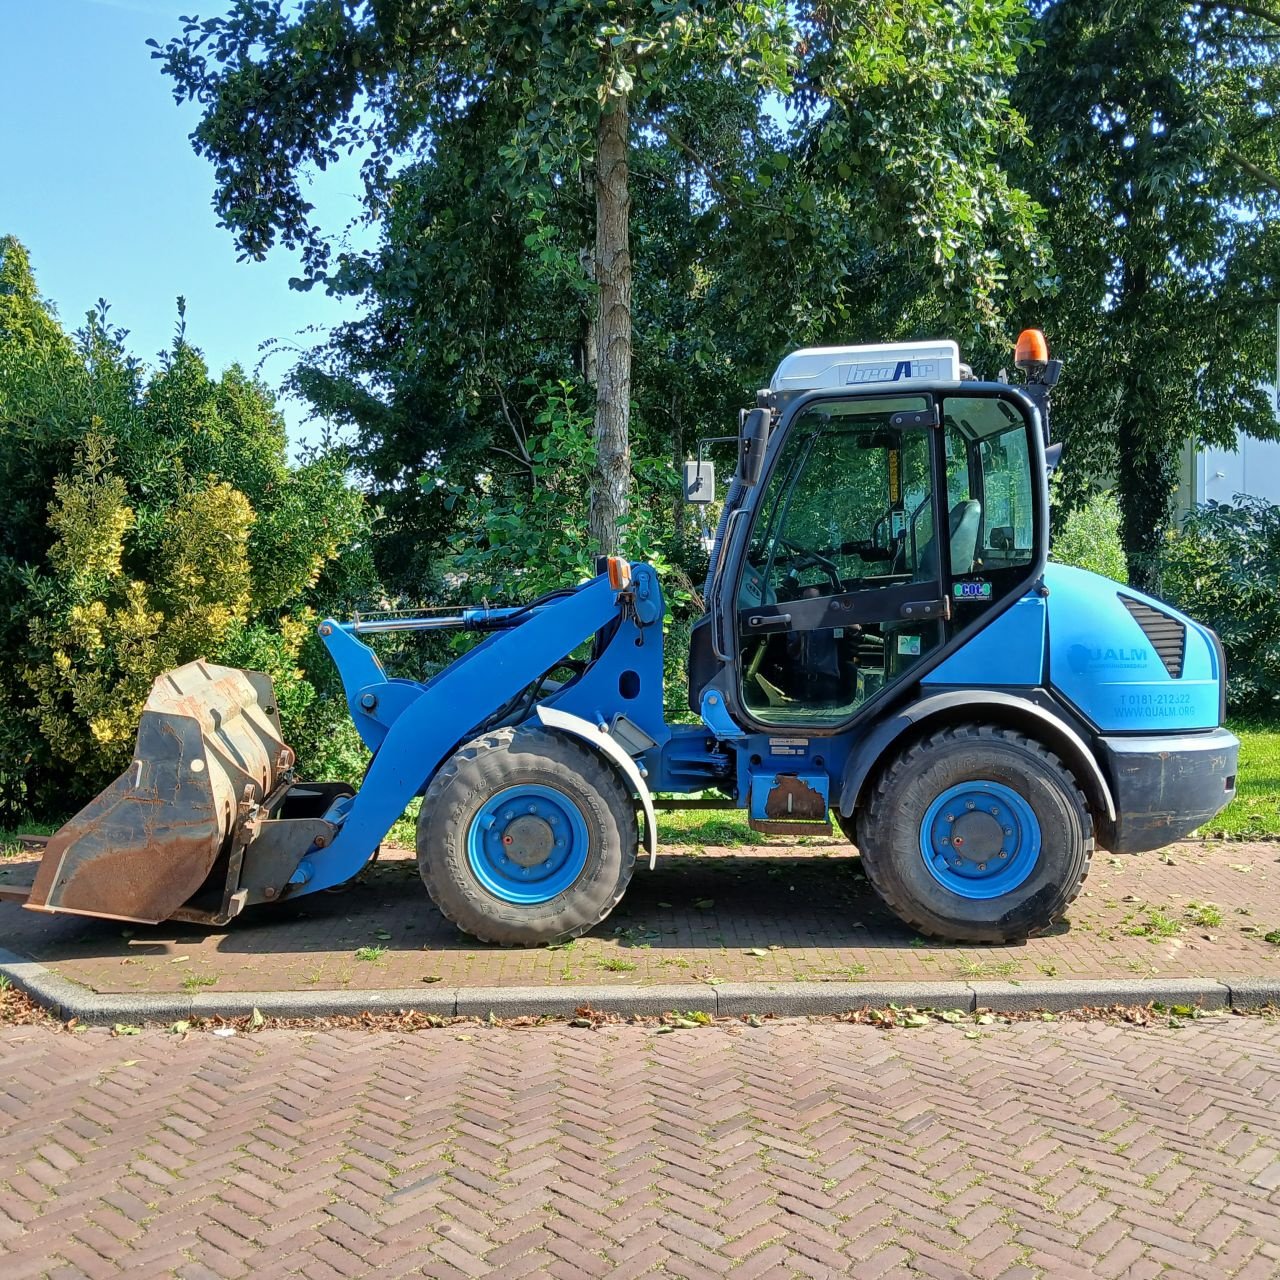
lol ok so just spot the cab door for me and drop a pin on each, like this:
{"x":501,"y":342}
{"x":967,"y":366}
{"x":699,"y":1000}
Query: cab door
{"x":839,"y":594}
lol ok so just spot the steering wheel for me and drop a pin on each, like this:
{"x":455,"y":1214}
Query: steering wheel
{"x":807,"y":557}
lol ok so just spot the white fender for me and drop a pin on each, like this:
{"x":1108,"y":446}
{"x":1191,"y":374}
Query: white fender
{"x":599,"y":737}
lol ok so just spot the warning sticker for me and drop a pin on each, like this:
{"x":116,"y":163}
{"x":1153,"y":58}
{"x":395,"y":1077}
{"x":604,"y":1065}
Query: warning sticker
{"x":909,"y":646}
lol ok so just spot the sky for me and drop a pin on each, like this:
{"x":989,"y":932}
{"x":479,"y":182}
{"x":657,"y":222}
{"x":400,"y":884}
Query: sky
{"x":98,"y":179}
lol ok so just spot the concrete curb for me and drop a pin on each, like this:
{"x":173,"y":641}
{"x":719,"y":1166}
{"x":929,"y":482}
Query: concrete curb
{"x":69,"y":1000}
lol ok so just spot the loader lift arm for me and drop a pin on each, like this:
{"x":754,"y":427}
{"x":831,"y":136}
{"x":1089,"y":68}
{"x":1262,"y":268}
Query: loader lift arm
{"x":418,"y":724}
{"x":208,"y":818}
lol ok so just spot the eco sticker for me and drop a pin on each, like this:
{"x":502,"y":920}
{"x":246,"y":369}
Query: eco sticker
{"x":971,"y":590}
{"x":909,"y":646}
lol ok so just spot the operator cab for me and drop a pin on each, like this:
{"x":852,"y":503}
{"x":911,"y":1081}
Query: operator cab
{"x":900,"y":501}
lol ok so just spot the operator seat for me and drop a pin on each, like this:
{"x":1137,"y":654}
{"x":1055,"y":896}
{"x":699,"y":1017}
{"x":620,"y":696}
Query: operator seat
{"x":963,"y":523}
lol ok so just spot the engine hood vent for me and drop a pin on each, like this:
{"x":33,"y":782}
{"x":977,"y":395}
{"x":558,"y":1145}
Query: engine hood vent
{"x":1168,"y":636}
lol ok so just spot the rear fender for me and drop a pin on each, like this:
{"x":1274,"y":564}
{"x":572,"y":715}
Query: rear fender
{"x":989,"y":706}
{"x":599,"y":739}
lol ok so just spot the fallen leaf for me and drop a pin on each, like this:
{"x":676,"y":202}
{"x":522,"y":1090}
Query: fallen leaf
{"x":757,"y":951}
{"x":126,"y":1029}
{"x":1243,"y":867}
{"x":256,"y":1019}
{"x":915,"y":1020}
{"x":180,"y":1028}
{"x":973,"y":1035}
{"x":433,"y":977}
{"x":179,"y":959}
{"x":224,"y":1031}
{"x":705,"y":904}
{"x":665,"y":904}
{"x":133,"y":1062}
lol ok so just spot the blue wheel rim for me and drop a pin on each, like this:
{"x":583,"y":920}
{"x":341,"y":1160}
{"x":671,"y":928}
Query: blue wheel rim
{"x":980,"y":839}
{"x":527,"y":844}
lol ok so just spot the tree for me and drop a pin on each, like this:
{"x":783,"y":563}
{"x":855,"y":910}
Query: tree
{"x":894,"y":114}
{"x":1157,"y":157}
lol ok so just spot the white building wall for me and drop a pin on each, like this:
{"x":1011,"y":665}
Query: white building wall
{"x":1218,"y":475}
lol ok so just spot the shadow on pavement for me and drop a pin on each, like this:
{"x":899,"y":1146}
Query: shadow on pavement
{"x":690,"y":901}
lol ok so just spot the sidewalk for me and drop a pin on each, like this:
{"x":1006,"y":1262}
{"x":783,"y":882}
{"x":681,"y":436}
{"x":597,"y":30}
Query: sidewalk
{"x":753,"y":915}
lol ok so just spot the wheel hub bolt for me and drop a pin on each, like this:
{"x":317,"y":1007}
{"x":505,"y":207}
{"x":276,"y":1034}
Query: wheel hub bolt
{"x":950,"y":817}
{"x":982,"y":866}
{"x":969,"y":804}
{"x":1003,"y":854}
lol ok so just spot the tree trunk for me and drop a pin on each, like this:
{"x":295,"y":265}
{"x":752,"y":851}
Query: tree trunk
{"x":611,"y":479}
{"x":1148,"y":467}
{"x":1145,"y":491}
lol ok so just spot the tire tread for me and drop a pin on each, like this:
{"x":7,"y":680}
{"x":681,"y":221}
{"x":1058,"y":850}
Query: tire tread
{"x":874,"y":846}
{"x":499,"y":740}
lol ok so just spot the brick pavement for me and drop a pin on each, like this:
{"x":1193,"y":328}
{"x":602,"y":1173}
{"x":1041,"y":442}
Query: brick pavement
{"x":699,"y":916}
{"x":793,"y":1149}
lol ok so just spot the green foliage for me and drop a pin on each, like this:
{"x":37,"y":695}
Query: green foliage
{"x":155,"y":520}
{"x":520,"y":533}
{"x":1090,"y":538}
{"x":1222,"y":568}
{"x":1158,"y":161}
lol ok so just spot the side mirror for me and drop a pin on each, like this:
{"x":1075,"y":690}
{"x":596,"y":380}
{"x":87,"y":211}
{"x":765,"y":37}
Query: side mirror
{"x":699,"y":482}
{"x":752,"y":439}
{"x":1052,"y":456}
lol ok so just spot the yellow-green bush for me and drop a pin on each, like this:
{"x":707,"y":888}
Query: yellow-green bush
{"x":156,"y":520}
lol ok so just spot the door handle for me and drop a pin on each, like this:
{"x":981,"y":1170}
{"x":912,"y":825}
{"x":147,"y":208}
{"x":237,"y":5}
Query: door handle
{"x":774,"y":622}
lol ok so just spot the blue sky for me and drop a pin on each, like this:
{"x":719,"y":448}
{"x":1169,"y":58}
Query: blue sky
{"x":99,"y":181}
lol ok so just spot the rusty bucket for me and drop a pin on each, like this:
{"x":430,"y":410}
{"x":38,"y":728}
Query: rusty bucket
{"x":209,"y":753}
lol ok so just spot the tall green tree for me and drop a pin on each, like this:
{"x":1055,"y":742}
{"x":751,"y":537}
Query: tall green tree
{"x":541,"y":116}
{"x":1157,"y":157}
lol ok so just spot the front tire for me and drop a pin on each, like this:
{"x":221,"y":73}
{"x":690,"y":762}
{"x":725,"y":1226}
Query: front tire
{"x":977,"y":834}
{"x":525,"y":837}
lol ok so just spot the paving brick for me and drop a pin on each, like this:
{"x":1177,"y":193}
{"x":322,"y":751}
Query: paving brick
{"x":771,"y":917}
{"x":792,"y":1149}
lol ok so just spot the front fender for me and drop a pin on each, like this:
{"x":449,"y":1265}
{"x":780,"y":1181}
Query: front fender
{"x":599,"y":738}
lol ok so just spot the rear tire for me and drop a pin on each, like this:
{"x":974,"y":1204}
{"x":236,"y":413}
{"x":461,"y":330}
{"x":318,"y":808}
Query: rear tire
{"x":977,"y":834}
{"x":526,"y":837}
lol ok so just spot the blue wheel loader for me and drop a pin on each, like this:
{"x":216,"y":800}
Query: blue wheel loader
{"x":885,"y":644}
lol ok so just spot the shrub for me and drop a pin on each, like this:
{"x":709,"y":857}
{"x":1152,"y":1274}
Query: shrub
{"x":153,"y":519}
{"x":1090,"y":539}
{"x":1222,"y":568}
